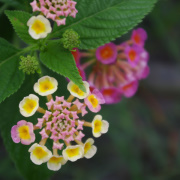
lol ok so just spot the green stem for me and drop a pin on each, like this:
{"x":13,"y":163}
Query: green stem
{"x":23,"y":51}
{"x":3,"y":8}
{"x":36,"y":55}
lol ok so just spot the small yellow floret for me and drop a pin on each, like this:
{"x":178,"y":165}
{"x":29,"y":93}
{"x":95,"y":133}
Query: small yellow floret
{"x":76,"y":90}
{"x":24,"y":132}
{"x":46,"y":85}
{"x":72,"y":152}
{"x":87,"y":147}
{"x":38,"y":27}
{"x":97,"y":126}
{"x":93,"y":100}
{"x":39,"y":152}
{"x":29,"y":105}
{"x":56,"y":160}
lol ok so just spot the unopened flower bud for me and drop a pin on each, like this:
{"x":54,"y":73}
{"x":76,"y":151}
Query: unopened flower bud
{"x":29,"y":65}
{"x":70,"y":39}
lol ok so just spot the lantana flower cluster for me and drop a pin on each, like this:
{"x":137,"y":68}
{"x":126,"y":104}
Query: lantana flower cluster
{"x":60,"y":123}
{"x":57,"y":10}
{"x":116,"y":69}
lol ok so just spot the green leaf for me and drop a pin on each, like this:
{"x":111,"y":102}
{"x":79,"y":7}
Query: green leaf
{"x":10,"y":115}
{"x":10,"y":76}
{"x":19,"y":21}
{"x":61,"y":61}
{"x":101,"y":21}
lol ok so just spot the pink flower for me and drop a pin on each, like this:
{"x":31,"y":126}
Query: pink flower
{"x":139,"y":37}
{"x":129,"y":89}
{"x":143,"y":74}
{"x":78,"y":103}
{"x":133,"y":54}
{"x":107,"y":54}
{"x":23,"y":132}
{"x":94,"y":101}
{"x":111,"y":95}
{"x":142,"y":69}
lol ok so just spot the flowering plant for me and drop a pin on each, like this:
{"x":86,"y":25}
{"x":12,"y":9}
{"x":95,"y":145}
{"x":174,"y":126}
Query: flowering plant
{"x":49,"y":30}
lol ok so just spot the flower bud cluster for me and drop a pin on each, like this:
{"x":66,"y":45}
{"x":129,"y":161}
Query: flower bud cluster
{"x":29,"y":65}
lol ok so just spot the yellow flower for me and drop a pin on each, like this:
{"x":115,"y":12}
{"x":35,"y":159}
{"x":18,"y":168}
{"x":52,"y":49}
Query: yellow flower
{"x":99,"y":126}
{"x":39,"y":27}
{"x":73,"y":153}
{"x":76,"y":91}
{"x":89,"y":149}
{"x":46,"y":86}
{"x":29,"y":105}
{"x":55,"y":162}
{"x":39,"y":154}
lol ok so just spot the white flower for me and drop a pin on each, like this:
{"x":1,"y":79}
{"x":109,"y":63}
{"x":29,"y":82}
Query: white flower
{"x":46,"y":86}
{"x":89,"y":149}
{"x":73,"y":153}
{"x":55,"y":162}
{"x":99,"y":126}
{"x":39,"y":154}
{"x":29,"y":105}
{"x":39,"y":27}
{"x":76,"y":91}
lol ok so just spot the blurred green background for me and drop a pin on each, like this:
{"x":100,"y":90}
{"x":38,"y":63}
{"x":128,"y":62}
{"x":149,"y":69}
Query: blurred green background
{"x":143,"y":139}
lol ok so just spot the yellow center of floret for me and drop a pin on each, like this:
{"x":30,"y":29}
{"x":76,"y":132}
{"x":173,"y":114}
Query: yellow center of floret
{"x":97,"y":126}
{"x":76,"y":90}
{"x":56,"y":160}
{"x":93,"y":100}
{"x":72,"y":152}
{"x":46,"y":85}
{"x":87,"y":147}
{"x":39,"y":152}
{"x":29,"y":105}
{"x":38,"y":27}
{"x":24,"y":132}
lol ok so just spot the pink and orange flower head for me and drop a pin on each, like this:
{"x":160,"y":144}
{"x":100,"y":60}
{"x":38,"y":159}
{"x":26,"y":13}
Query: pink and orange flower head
{"x":116,"y":69}
{"x":60,"y":123}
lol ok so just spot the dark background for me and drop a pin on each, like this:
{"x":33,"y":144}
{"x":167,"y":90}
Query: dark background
{"x":143,"y":139}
